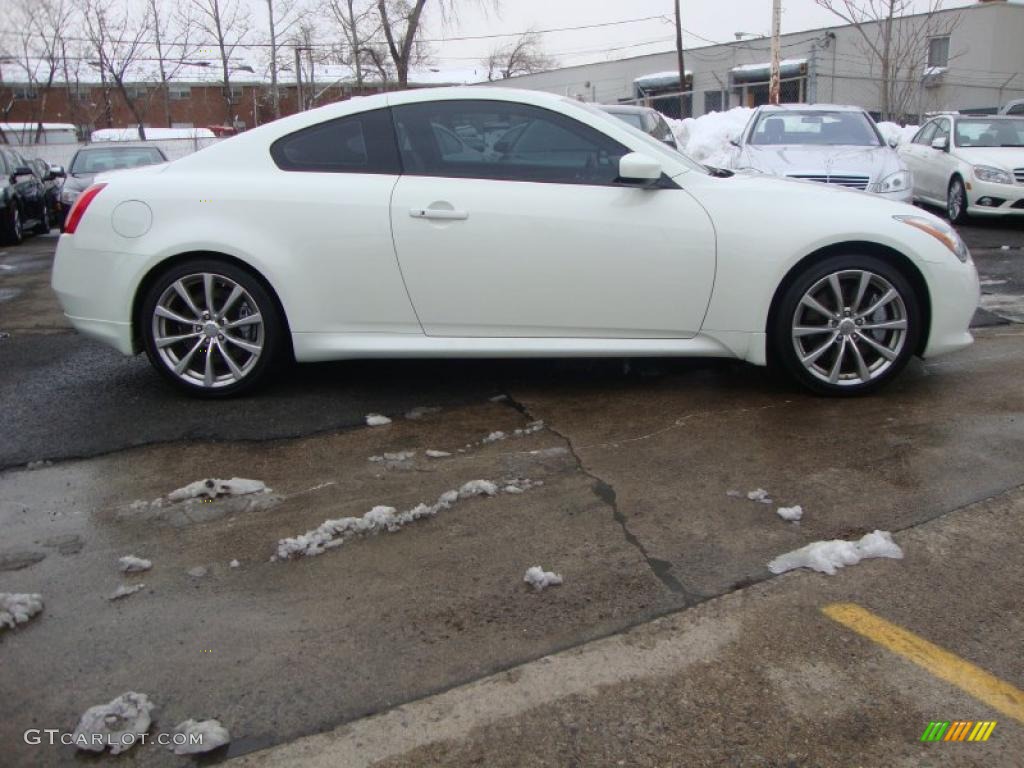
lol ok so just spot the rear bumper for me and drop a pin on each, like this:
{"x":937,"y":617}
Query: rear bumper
{"x":113,"y":334}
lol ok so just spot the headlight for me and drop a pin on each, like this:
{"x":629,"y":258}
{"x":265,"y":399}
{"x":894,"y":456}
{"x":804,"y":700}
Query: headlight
{"x":895,"y":182}
{"x":68,"y":196}
{"x":942,"y":232}
{"x":995,"y":175}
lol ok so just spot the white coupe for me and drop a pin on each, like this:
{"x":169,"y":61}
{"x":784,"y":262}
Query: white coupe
{"x":367,"y":228}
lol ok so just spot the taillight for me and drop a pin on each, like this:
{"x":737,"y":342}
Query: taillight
{"x":79,"y":206}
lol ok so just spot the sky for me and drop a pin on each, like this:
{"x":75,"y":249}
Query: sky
{"x":705,"y":21}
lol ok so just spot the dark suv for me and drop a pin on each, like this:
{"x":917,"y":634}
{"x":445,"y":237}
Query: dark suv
{"x":22,"y":198}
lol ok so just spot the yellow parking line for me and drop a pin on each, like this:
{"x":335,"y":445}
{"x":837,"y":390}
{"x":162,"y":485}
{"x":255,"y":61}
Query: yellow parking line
{"x":983,"y":686}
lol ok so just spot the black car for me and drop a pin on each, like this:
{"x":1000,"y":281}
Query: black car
{"x":90,"y":161}
{"x":22,"y":198}
{"x":52,"y":176}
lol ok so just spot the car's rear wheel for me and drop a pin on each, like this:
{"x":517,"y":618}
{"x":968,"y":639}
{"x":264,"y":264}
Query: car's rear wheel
{"x":14,"y":232}
{"x":956,"y":201}
{"x":847,"y":325}
{"x":211,"y":328}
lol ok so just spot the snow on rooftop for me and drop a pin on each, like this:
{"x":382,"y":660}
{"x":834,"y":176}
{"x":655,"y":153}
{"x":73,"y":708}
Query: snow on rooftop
{"x":762,"y":65}
{"x":152,"y":134}
{"x":829,"y":556}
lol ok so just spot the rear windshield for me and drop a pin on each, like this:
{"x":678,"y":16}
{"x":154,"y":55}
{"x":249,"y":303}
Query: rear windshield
{"x":89,"y":161}
{"x":815,"y":128}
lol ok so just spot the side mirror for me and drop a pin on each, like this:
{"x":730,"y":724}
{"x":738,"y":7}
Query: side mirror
{"x":639,"y":168}
{"x":893,"y":142}
{"x":734,"y":139}
{"x":941,"y":144}
{"x":58,"y":172}
{"x":22,"y":170}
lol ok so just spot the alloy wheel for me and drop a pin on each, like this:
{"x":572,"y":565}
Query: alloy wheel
{"x":849,"y":327}
{"x":956,"y":200}
{"x":208,"y":330}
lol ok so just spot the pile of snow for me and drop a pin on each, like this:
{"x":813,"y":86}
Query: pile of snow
{"x":494,"y":437}
{"x":520,"y":485}
{"x":706,"y":138}
{"x":760,"y":495}
{"x":902,"y":133}
{"x":376,"y":420}
{"x":540,"y":579}
{"x":333,"y":533}
{"x":133,"y":564}
{"x":529,"y":429}
{"x":17,"y":608}
{"x":125,"y":591}
{"x":792,"y":514}
{"x":827,"y":556}
{"x":234,"y":564}
{"x":212,"y":488}
{"x":118,"y":725}
{"x":195,"y":737}
{"x":432,"y":454}
{"x":397,"y":457}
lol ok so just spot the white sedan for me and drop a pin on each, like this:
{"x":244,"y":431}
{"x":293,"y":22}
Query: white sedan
{"x":974,"y":166}
{"x":357,"y":230}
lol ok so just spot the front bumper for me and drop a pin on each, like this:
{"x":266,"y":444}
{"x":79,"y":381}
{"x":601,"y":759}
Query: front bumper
{"x":955,"y":293}
{"x":987,"y":199}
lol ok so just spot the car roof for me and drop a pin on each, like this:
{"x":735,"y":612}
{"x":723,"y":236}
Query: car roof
{"x":809,"y":108}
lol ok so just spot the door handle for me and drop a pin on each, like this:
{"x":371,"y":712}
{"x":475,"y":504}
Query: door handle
{"x":438,"y":213}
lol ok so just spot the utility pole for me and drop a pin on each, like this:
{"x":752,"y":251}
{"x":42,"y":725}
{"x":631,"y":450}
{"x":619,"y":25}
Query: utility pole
{"x":775,"y":85}
{"x":682,"y":69}
{"x":298,"y":80}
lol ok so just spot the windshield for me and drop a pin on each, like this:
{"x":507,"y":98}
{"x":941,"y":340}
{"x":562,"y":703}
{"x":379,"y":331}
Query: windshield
{"x":983,"y":132}
{"x":815,"y":128}
{"x":660,"y":148}
{"x":633,"y":118}
{"x":90,"y":161}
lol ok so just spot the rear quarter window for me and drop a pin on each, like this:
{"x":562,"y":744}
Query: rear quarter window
{"x":362,"y":143}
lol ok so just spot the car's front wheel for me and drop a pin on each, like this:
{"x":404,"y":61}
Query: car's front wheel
{"x":211,"y":328}
{"x":847,"y":325}
{"x":14,"y":232}
{"x":45,"y":224}
{"x":956,"y":201}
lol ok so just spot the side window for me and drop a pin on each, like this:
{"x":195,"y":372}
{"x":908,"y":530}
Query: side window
{"x":1016,"y":109}
{"x":510,"y":142}
{"x":941,"y":130}
{"x":361,"y":143}
{"x":924,"y":136}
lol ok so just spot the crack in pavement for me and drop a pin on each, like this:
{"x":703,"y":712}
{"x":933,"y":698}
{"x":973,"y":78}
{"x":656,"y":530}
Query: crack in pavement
{"x":662,"y":569}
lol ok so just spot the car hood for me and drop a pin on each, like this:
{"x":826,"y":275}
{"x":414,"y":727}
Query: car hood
{"x":789,"y":160}
{"x":1007,"y":158}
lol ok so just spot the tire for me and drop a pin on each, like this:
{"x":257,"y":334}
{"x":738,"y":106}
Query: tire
{"x":45,"y":223}
{"x":13,"y":231}
{"x":870,"y":335}
{"x":223,"y":352}
{"x":956,"y":201}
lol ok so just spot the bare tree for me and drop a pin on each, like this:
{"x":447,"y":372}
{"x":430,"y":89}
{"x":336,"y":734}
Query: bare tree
{"x":118,"y":40}
{"x":360,"y":26}
{"x":42,"y":26}
{"x":521,"y":56}
{"x":282,"y":17}
{"x":228,"y":24}
{"x":896,"y":42}
{"x":172,"y":30}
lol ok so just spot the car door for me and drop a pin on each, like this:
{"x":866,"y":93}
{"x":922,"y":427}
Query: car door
{"x":914,"y":155}
{"x":534,"y":237}
{"x":937,"y":162}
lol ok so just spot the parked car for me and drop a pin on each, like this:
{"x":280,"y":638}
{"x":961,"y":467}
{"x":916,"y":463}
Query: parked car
{"x":645,"y":119}
{"x":52,"y":176}
{"x":322,"y":236}
{"x":973,"y":166}
{"x":22,"y":198}
{"x":90,"y":161}
{"x":1015,"y":107}
{"x":837,"y":145}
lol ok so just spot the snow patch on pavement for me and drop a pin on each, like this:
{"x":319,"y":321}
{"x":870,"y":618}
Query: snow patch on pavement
{"x":17,"y":608}
{"x":212,"y":488}
{"x":124,"y":591}
{"x":760,"y":495}
{"x":829,"y":556}
{"x":540,"y":579}
{"x":383,"y":519}
{"x":234,"y":564}
{"x":376,"y":420}
{"x":133,"y":564}
{"x":432,"y":454}
{"x":118,"y":724}
{"x":199,"y":736}
{"x":792,"y":514}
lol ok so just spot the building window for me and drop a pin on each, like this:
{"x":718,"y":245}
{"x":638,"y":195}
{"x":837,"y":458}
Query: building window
{"x":938,"y":52}
{"x":135,"y":92}
{"x":236,"y":92}
{"x":179,"y":92}
{"x":712,"y":101}
{"x":24,"y":92}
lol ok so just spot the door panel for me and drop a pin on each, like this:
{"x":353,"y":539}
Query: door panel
{"x":487,"y":257}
